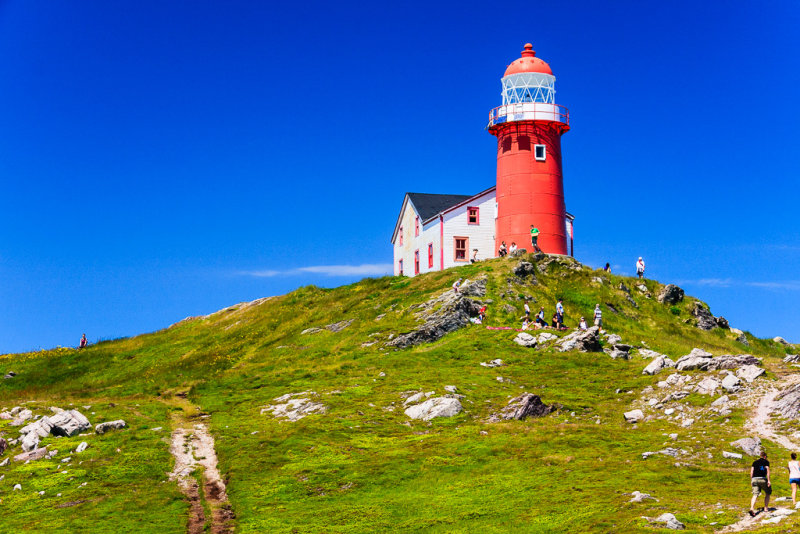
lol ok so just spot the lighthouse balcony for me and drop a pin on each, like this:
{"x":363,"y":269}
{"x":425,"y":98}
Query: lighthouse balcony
{"x":529,"y":111}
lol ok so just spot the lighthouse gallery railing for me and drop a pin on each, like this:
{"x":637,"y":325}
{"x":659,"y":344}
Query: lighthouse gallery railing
{"x":528,"y":111}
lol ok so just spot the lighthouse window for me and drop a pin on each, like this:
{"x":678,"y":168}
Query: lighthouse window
{"x":461,"y":245}
{"x":540,"y":152}
{"x":472,"y":215}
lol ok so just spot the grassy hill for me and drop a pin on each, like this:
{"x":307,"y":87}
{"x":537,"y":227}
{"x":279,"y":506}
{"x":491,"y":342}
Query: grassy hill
{"x":364,"y":466}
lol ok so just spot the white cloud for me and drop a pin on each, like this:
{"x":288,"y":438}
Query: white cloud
{"x":708,"y":282}
{"x":365,"y":269}
{"x":789,"y":285}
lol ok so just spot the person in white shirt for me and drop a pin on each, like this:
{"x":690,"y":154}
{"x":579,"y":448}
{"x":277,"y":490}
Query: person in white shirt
{"x":560,"y":313}
{"x":457,"y":284}
{"x":513,"y":248}
{"x":640,"y":268}
{"x":794,"y":477}
{"x":598,"y":316}
{"x":527,"y":310}
{"x":583,"y":325}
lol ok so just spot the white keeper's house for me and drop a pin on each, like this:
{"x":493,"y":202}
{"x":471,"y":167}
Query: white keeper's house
{"x":434,"y":232}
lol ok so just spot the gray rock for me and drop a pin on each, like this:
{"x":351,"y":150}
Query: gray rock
{"x":731,"y":362}
{"x":707,"y":386}
{"x":660,"y":363}
{"x":102,"y":428}
{"x":338,"y":327}
{"x":734,"y":455}
{"x":81,"y":447}
{"x":619,"y":354}
{"x":740,"y":336}
{"x":494,"y":363}
{"x":435,"y":407}
{"x":583,"y":341}
{"x":517,"y":253}
{"x":69,"y":423}
{"x":634,"y":416}
{"x":526,"y":405}
{"x":749,"y":373}
{"x":450,"y":389}
{"x":669,"y":451}
{"x":30,"y":441}
{"x":779,"y":339}
{"x":544,"y":337}
{"x":295,"y":409}
{"x":669,"y":521}
{"x":4,"y":462}
{"x":790,"y":358}
{"x":697,"y":359}
{"x":787,"y":402}
{"x":647,"y":353}
{"x":613,"y":338}
{"x":731,"y":383}
{"x":638,"y":496}
{"x":10,"y":374}
{"x":6,"y":416}
{"x":722,"y":322}
{"x":17,"y":487}
{"x":750,"y":446}
{"x":705,"y":320}
{"x":525,"y":269}
{"x":41,"y":427}
{"x":525,"y":339}
{"x":624,"y":288}
{"x":670,"y":294}
{"x":20,"y":417}
{"x":446,"y":313}
{"x":722,"y":400}
{"x":35,"y":454}
{"x":312,"y":330}
{"x":417,"y":397}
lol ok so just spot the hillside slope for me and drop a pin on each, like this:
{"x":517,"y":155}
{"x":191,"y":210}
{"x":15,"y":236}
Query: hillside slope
{"x":358,"y":463}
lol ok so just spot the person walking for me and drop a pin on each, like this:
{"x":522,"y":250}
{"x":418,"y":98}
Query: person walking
{"x":83,"y":342}
{"x":527,"y":310}
{"x":535,"y":239}
{"x":457,"y":284}
{"x":640,"y":268}
{"x":794,"y":477}
{"x":760,"y":481}
{"x":560,"y":314}
{"x":598,"y":316}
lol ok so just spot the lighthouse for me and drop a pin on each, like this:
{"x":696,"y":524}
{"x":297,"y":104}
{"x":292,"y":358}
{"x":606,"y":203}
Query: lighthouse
{"x":530,"y":184}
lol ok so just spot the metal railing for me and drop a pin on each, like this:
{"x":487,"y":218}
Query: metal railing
{"x":528,"y":111}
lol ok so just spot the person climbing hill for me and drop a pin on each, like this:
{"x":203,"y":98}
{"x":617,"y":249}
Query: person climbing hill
{"x":760,"y":481}
{"x":640,"y":268}
{"x":83,"y":342}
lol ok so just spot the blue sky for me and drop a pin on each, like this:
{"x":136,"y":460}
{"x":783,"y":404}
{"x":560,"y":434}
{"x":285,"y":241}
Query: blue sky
{"x":166,"y":159}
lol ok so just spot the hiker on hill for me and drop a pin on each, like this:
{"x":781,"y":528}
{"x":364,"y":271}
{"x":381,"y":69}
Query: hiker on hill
{"x":794,"y":477}
{"x":540,"y":318}
{"x":535,"y":239}
{"x":482,"y":313}
{"x":474,"y":255}
{"x":513,"y":248}
{"x":583,"y":325}
{"x":560,"y":313}
{"x":598,"y":316}
{"x":640,"y":268}
{"x":503,"y":250}
{"x":527,"y":310}
{"x":83,"y":342}
{"x":457,"y":284}
{"x":760,"y":481}
{"x":607,"y":268}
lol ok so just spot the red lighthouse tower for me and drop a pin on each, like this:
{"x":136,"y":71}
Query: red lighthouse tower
{"x":530,"y":185}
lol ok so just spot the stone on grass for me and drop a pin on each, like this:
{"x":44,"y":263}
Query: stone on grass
{"x":544,"y":337}
{"x":435,"y":407}
{"x":697,"y":359}
{"x":787,"y":402}
{"x":69,"y":423}
{"x":670,"y":294}
{"x":750,"y":446}
{"x":658,"y":364}
{"x":705,"y":320}
{"x":634,"y":416}
{"x":450,"y":389}
{"x":731,"y":362}
{"x":749,"y":373}
{"x":525,"y":339}
{"x":647,"y":353}
{"x":525,"y":269}
{"x":779,"y":339}
{"x":669,"y":521}
{"x":791,"y":358}
{"x":102,"y":428}
{"x":82,"y":447}
{"x":638,"y":496}
{"x":20,"y":417}
{"x":707,"y":386}
{"x":17,"y":487}
{"x":494,"y":363}
{"x":35,"y":454}
{"x":735,"y":455}
{"x":30,"y":441}
{"x":731,"y":383}
{"x":526,"y":405}
{"x":295,"y":409}
{"x":722,"y":400}
{"x":582,"y":340}
{"x":687,"y":422}
{"x":416,"y":397}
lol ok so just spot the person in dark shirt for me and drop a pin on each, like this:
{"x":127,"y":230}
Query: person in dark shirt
{"x":760,"y":481}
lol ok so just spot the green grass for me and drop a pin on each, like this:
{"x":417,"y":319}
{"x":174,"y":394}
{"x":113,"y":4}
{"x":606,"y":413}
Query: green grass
{"x":363,"y":466}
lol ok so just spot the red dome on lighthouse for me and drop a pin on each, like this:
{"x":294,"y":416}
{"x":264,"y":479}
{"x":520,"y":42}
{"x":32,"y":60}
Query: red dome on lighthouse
{"x":528,"y":63}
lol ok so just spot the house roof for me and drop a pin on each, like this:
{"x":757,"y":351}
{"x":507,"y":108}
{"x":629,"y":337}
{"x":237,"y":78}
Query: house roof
{"x":431,"y":204}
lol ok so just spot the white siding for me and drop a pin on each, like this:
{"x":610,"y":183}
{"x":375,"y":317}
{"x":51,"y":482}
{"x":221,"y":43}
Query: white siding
{"x":481,"y":236}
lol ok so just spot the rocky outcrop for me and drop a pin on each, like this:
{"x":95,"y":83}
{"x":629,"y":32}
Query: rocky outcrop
{"x":658,"y":364}
{"x":446,"y":313}
{"x":722,"y":322}
{"x":633,"y":416}
{"x":705,"y":320}
{"x":582,"y":340}
{"x":670,"y":294}
{"x":668,"y":521}
{"x":526,"y":405}
{"x":750,"y":446}
{"x":69,"y":423}
{"x":295,"y":409}
{"x":497,"y":362}
{"x":525,"y":339}
{"x":727,"y":361}
{"x":749,"y":373}
{"x":525,"y":270}
{"x":435,"y":407}
{"x":20,"y":416}
{"x":792,"y":358}
{"x":334,"y":327}
{"x":780,"y":340}
{"x":102,"y":428}
{"x":731,"y":383}
{"x":35,"y":454}
{"x":697,"y":359}
{"x":787,"y":402}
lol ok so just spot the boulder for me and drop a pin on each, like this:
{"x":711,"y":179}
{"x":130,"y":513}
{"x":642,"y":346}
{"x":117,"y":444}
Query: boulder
{"x":658,"y":364}
{"x":790,"y":358}
{"x":634,"y":416}
{"x":102,"y":428}
{"x":69,"y":423}
{"x":525,"y":339}
{"x":697,"y":359}
{"x":670,"y":294}
{"x":619,"y":354}
{"x":20,"y":417}
{"x":722,"y":322}
{"x":722,"y":400}
{"x":779,"y":339}
{"x":582,"y":340}
{"x":749,"y":373}
{"x":416,"y":397}
{"x":647,"y":353}
{"x":707,"y":386}
{"x":494,"y":363}
{"x":787,"y":402}
{"x":731,"y":362}
{"x":734,"y":455}
{"x":517,"y":253}
{"x":705,"y":320}
{"x":613,"y":338}
{"x":41,"y":427}
{"x":10,"y":374}
{"x":338,"y":327}
{"x":435,"y":407}
{"x":81,"y":447}
{"x":526,"y":405}
{"x":450,"y":389}
{"x":669,"y":521}
{"x":6,"y":416}
{"x":544,"y":337}
{"x":731,"y":383}
{"x":638,"y":496}
{"x":750,"y":446}
{"x":35,"y":454}
{"x":30,"y":441}
{"x":525,"y":269}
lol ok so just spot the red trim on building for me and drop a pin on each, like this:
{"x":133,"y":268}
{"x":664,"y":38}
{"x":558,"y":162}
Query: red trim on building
{"x":400,"y":264}
{"x":430,"y":255}
{"x":416,"y":226}
{"x":400,"y":234}
{"x":441,"y":241}
{"x":416,"y":261}
{"x":465,"y":249}
{"x":476,"y":214}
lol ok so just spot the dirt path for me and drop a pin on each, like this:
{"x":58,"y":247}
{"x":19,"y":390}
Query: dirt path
{"x":760,"y":423}
{"x":193,"y":447}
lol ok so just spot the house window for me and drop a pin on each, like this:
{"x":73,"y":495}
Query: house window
{"x":416,"y":226}
{"x":430,"y":255}
{"x":401,"y":241}
{"x":472,"y":215}
{"x":540,"y":152}
{"x":416,"y":262}
{"x":400,"y":267}
{"x":461,"y":246}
